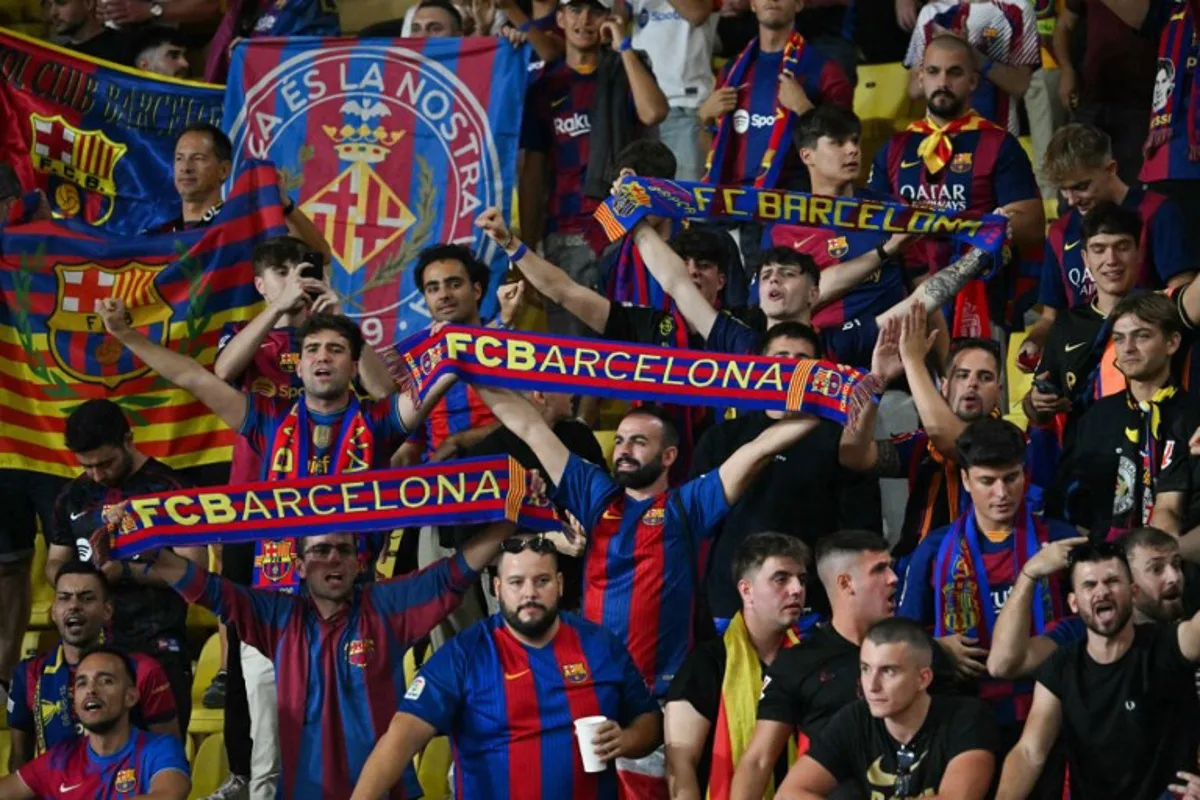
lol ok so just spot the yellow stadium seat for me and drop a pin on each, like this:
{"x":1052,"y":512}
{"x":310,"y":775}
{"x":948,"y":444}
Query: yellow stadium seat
{"x":386,"y":565}
{"x":606,"y":443}
{"x":200,"y":617}
{"x":210,"y":767}
{"x":206,"y":720}
{"x":1017,"y":383}
{"x":881,"y":101}
{"x":43,"y":592}
{"x":5,"y":749}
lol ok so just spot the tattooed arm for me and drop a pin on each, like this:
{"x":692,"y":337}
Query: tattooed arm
{"x":942,"y":285}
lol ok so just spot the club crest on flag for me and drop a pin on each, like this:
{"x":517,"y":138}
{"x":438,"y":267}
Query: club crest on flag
{"x":396,"y":153}
{"x":837,"y":247}
{"x":126,"y":781}
{"x":630,"y":198}
{"x":85,"y":158}
{"x":78,"y":341}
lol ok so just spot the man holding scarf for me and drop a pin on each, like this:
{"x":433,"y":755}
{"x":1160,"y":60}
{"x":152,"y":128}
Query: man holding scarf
{"x":712,"y":702}
{"x":960,"y":576}
{"x":1131,"y":446}
{"x":955,"y":160}
{"x":778,"y":77}
{"x":646,"y":543}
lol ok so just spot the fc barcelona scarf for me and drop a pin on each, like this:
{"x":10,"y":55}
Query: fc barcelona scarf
{"x":533,"y":362}
{"x":737,"y":712}
{"x":637,"y":197}
{"x":1176,"y":48}
{"x":290,"y":458}
{"x":1141,"y":457}
{"x":468,"y":492}
{"x":780,"y":139}
{"x":962,"y":596}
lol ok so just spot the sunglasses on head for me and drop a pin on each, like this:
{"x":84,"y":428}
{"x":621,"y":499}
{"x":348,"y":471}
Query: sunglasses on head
{"x":517,"y":544}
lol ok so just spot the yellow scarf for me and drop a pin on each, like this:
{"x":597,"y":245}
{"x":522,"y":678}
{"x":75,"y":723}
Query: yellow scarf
{"x":937,"y":146}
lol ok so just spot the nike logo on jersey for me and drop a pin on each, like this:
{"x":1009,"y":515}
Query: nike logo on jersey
{"x":63,"y":788}
{"x":907,"y":164}
{"x":513,"y":677}
{"x":77,"y":516}
{"x":1075,"y":346}
{"x":1071,"y":245}
{"x":610,"y":515}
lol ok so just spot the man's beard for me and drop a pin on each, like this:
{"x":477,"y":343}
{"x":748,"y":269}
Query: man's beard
{"x":534,"y":628}
{"x":946,"y":105}
{"x":639,"y":478}
{"x":102,"y":726}
{"x":1166,"y":609}
{"x":1120,"y":620}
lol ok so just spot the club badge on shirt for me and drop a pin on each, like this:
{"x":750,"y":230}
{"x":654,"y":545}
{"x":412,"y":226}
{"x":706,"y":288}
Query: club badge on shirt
{"x":837,"y":247}
{"x":358,"y":652}
{"x":126,"y":781}
{"x":575,"y":673}
{"x":655,"y":516}
{"x":961,"y":163}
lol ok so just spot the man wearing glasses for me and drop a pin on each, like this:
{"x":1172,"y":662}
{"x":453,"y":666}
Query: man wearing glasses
{"x":509,"y":689}
{"x":337,"y":646}
{"x":899,"y":741}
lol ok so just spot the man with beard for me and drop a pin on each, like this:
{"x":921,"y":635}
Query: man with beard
{"x":1123,"y":699}
{"x":711,"y":703}
{"x":898,"y":740}
{"x":970,"y":391}
{"x":1131,"y":448}
{"x":75,"y":24}
{"x":40,"y":711}
{"x":809,"y":683}
{"x":643,"y":558}
{"x":114,"y":758}
{"x":507,"y":690}
{"x":160,"y":50}
{"x":337,"y":646}
{"x":955,"y":160}
{"x":147,"y":617}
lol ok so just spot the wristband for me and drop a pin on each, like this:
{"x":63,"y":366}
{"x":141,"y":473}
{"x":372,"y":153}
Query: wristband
{"x":519,"y":253}
{"x":526,"y":26}
{"x":626,"y":44}
{"x":882,"y":253}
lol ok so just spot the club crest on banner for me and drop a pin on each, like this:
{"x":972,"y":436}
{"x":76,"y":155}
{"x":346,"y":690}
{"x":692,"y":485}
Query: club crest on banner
{"x":85,"y":159}
{"x":396,"y":154}
{"x":77,"y":338}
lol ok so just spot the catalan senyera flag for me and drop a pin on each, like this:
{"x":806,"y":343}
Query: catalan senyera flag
{"x":97,"y":137}
{"x":389,"y":146}
{"x":181,"y":290}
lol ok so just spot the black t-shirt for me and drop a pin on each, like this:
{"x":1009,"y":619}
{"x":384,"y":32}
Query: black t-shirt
{"x":1129,"y":725}
{"x":812,"y":681}
{"x":109,"y":45}
{"x":642,"y":325}
{"x":699,"y":683}
{"x":856,"y":747}
{"x":1069,"y":354}
{"x":806,"y":476}
{"x":145,"y":618}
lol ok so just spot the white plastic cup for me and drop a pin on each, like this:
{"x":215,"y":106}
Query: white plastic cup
{"x":585,"y":733}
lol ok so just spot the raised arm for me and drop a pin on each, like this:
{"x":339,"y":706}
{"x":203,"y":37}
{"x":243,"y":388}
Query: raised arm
{"x":858,"y":449}
{"x":226,"y":402}
{"x":937,"y":418}
{"x":741,"y":468}
{"x":585,"y":304}
{"x":648,"y":99}
{"x":516,"y":414}
{"x":671,"y":272}
{"x":838,"y":280}
{"x":406,"y":736}
{"x":942,"y":285}
{"x":1026,"y":760}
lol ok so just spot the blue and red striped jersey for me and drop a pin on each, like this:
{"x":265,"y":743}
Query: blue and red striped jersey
{"x":45,"y":686}
{"x":638,"y":569}
{"x":272,"y":374}
{"x":558,"y":123}
{"x":757,"y":100}
{"x":509,"y":708}
{"x":70,"y":769}
{"x":1171,"y":24}
{"x":339,"y":679}
{"x":1166,"y":251}
{"x":875,"y":295}
{"x":1009,"y":699}
{"x":460,"y":409}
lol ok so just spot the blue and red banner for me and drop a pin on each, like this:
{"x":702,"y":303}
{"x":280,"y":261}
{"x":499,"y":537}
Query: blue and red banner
{"x":389,"y":146}
{"x":181,"y":290}
{"x":96,"y":137}
{"x":535,"y":362}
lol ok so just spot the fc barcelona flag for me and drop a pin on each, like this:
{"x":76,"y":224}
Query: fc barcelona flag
{"x":98,"y":138}
{"x":181,"y":290}
{"x":389,"y":146}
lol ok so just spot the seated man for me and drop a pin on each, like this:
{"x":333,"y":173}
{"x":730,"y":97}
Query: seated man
{"x":40,"y":711}
{"x":713,"y":698}
{"x":113,"y":758}
{"x":507,"y":690}
{"x":898,"y":737}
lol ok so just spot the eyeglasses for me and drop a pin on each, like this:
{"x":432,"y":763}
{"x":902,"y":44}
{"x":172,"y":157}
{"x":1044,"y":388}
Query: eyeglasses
{"x":906,"y":759}
{"x":517,"y":544}
{"x":323,"y":551}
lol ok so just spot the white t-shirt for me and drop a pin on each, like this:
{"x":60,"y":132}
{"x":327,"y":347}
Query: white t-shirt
{"x":1005,"y":30}
{"x":680,"y":53}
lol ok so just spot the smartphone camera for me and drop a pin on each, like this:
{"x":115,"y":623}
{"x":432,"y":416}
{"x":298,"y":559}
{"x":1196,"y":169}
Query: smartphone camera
{"x":314,"y":267}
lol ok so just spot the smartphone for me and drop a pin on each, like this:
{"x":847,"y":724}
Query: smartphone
{"x":1047,"y":387}
{"x":314,"y":267}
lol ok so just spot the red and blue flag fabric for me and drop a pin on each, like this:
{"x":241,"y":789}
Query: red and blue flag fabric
{"x":390,"y":147}
{"x":180,"y":288}
{"x":97,"y":138}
